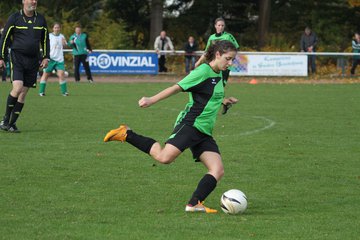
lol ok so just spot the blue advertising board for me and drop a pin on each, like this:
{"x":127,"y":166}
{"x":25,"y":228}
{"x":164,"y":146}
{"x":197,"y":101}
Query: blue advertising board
{"x":122,"y":63}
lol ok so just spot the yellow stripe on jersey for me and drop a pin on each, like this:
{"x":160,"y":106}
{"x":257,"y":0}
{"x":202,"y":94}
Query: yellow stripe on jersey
{"x":45,"y":39}
{"x":4,"y":43}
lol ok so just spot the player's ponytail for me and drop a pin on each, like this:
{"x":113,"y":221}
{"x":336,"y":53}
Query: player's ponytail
{"x":222,"y":47}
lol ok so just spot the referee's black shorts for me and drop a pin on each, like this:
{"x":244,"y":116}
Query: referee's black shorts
{"x":185,"y":136}
{"x":24,"y":68}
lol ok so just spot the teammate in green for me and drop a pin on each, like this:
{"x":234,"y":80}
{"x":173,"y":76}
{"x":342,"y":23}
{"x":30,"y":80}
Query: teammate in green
{"x":194,"y":125}
{"x":219,"y":35}
{"x":57,"y":42}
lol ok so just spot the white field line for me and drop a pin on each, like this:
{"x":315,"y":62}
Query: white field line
{"x":268,"y":124}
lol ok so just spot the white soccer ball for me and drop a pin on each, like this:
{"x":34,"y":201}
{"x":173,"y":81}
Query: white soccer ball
{"x":66,"y":73}
{"x":233,"y":202}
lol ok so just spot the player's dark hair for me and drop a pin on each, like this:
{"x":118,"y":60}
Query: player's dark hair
{"x":222,"y":46}
{"x":56,"y":23}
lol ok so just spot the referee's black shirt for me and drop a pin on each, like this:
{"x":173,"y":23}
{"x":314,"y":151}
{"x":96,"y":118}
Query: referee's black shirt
{"x":24,"y":35}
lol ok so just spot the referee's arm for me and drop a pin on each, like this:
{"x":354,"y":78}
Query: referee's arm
{"x":45,"y":42}
{"x":5,"y":37}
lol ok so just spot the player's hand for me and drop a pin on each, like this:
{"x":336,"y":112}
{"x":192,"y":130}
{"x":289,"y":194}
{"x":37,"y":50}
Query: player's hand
{"x":230,"y":100}
{"x":145,"y":102}
{"x":227,"y":103}
{"x":44,"y":63}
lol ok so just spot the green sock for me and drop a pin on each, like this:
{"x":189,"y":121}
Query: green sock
{"x":63,"y":86}
{"x":42,"y":87}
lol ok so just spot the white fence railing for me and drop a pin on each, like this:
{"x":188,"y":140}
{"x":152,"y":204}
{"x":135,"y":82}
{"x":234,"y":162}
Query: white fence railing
{"x":199,"y":53}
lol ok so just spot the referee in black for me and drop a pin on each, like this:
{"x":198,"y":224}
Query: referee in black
{"x":23,"y":33}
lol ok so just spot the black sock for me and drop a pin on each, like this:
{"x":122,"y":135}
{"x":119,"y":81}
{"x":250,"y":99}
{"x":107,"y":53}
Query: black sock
{"x":16,"y":112}
{"x":11,"y":101}
{"x":206,"y":185}
{"x":140,"y":142}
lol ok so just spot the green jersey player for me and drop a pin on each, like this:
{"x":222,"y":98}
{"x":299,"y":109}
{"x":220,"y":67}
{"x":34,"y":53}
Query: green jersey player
{"x":194,"y":125}
{"x":219,"y":35}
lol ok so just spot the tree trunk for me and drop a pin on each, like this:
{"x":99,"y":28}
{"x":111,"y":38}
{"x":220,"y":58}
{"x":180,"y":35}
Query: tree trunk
{"x":156,"y":20}
{"x":264,"y":21}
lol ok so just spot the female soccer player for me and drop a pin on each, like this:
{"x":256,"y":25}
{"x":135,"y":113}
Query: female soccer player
{"x":57,"y":42}
{"x":194,"y":125}
{"x":219,"y":35}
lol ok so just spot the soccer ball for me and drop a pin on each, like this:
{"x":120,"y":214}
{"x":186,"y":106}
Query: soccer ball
{"x":233,"y":202}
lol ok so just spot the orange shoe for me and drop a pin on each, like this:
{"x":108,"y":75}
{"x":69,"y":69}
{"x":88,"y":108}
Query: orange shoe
{"x":118,"y":134}
{"x":199,"y":208}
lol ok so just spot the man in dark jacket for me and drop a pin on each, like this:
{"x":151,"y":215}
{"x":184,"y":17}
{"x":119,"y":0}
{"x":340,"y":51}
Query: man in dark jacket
{"x":308,"y":44}
{"x":190,"y":58}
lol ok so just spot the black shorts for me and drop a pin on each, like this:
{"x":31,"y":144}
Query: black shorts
{"x":24,"y":68}
{"x":185,"y":136}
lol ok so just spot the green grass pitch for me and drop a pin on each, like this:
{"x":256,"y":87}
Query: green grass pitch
{"x":293,"y":149}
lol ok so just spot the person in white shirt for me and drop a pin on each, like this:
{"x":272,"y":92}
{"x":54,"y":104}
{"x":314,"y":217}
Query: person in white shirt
{"x":56,"y":63}
{"x":163,"y":43}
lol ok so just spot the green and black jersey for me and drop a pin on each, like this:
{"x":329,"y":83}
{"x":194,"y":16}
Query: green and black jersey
{"x":81,"y":44}
{"x":222,"y":36}
{"x":206,"y":94}
{"x":24,"y":35}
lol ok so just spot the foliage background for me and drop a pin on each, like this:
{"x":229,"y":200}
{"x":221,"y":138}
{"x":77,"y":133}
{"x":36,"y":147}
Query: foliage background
{"x":122,"y":24}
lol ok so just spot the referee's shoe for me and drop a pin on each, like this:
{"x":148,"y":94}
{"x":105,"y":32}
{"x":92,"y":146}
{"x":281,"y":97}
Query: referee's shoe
{"x":13,"y":129}
{"x":6,"y":127}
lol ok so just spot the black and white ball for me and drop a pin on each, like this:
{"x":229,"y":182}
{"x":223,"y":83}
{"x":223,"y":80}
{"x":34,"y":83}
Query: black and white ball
{"x":233,"y":202}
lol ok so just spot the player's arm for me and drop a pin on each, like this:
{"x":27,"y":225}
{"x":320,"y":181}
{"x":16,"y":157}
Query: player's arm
{"x":64,"y":42}
{"x":148,"y":101}
{"x":233,"y":40}
{"x":200,"y":60}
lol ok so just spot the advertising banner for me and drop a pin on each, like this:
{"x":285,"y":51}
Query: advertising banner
{"x":270,"y":65}
{"x":122,"y":63}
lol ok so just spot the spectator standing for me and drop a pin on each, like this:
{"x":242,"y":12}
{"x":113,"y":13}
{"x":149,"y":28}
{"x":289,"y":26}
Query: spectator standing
{"x":80,"y":44}
{"x":162,"y":43}
{"x":27,"y":30}
{"x":190,"y":48}
{"x":308,"y":44}
{"x":356,"y":49}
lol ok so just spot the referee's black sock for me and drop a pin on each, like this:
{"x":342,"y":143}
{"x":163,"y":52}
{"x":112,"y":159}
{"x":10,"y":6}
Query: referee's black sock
{"x":10,"y":103}
{"x":16,"y":112}
{"x":140,"y":142}
{"x":206,"y":185}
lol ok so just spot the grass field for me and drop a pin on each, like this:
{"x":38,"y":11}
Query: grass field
{"x":293,"y":149}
